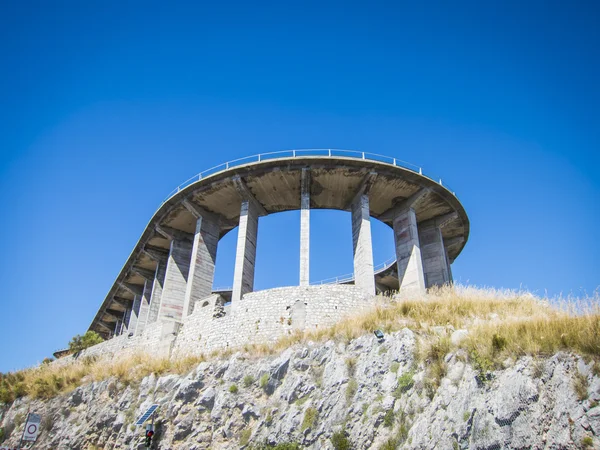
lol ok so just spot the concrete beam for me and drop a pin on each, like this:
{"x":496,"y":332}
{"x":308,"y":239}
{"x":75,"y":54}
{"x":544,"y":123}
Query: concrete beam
{"x":198,"y":211}
{"x":305,"y":227}
{"x":173,"y":233}
{"x":454,"y":241}
{"x":155,"y":253}
{"x":364,"y":275}
{"x":408,"y":203}
{"x":134,"y":289}
{"x":124,"y":303}
{"x":176,"y":277}
{"x":247,"y":195}
{"x":106,"y":327}
{"x":243,"y":278}
{"x":439,"y":221}
{"x":411,"y":278}
{"x":113,"y":314}
{"x":363,"y":188}
{"x":144,"y":273}
{"x":202,"y":262}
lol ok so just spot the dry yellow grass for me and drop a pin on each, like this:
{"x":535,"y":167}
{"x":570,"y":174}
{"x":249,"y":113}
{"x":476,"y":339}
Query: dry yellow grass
{"x":500,"y":323}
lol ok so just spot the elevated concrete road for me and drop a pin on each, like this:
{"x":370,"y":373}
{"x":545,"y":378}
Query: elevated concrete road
{"x":172,"y":264}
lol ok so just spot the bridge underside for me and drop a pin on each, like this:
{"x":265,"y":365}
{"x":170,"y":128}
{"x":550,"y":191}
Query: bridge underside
{"x":172,"y":265}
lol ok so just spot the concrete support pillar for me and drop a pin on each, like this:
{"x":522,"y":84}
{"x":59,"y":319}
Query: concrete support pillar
{"x":202,"y":262}
{"x":157,"y":289}
{"x":243,"y":278}
{"x":364,"y":275}
{"x":176,"y":276}
{"x":144,"y":308}
{"x":134,"y":313}
{"x":118,"y":327}
{"x":305,"y":228}
{"x":433,"y":252}
{"x":408,"y":253}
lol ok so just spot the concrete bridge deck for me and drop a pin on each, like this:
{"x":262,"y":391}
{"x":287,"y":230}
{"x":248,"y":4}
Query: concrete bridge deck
{"x":172,"y":264}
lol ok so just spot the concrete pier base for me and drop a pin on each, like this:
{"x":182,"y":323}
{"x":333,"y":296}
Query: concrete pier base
{"x":411,"y":278}
{"x":176,"y":276}
{"x":245,"y":256}
{"x":202,"y":262}
{"x":435,"y":261}
{"x":364,"y":275}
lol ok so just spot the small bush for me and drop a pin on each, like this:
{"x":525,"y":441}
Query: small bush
{"x":233,"y":389}
{"x":248,"y":380}
{"x":405,"y":382}
{"x":351,"y":389}
{"x":587,"y":442}
{"x":2,"y":436}
{"x":390,"y":444}
{"x":264,"y":381}
{"x":580,"y":384}
{"x":498,"y":343}
{"x":340,"y":441}
{"x":394,"y":367}
{"x":245,"y":436}
{"x":388,"y":418}
{"x":351,"y":365}
{"x":89,"y":339}
{"x":310,"y":417}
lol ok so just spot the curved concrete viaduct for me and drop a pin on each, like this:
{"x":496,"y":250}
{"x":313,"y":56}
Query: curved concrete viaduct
{"x":172,"y":265}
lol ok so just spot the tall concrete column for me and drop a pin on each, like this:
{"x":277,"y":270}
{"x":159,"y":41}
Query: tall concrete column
{"x":144,"y":307}
{"x":118,"y":327}
{"x":433,"y":253}
{"x":157,"y":289}
{"x":408,"y":253}
{"x":176,"y":276}
{"x":364,"y":275}
{"x":305,"y":228}
{"x":202,"y":263}
{"x":134,"y":313}
{"x":245,"y":256}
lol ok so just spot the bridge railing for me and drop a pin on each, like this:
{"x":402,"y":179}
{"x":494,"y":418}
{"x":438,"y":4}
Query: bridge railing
{"x":325,"y":152}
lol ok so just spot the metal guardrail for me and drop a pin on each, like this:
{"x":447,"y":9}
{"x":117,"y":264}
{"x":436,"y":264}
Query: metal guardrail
{"x":333,"y":280}
{"x":325,"y":152}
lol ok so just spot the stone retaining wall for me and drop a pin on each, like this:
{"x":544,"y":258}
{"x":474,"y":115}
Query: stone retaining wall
{"x":260,"y":317}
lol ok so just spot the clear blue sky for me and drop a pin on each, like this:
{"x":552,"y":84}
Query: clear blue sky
{"x":107,"y":106}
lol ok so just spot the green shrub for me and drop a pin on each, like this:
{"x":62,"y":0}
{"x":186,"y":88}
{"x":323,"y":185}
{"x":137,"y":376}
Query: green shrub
{"x":89,"y":339}
{"x":233,"y":389}
{"x":580,"y":384}
{"x":388,"y":418}
{"x":248,"y":380}
{"x":351,"y":389}
{"x":245,"y":436}
{"x":2,"y":435}
{"x":310,"y":417}
{"x":264,"y":380}
{"x":405,"y":382}
{"x":587,"y":442}
{"x":498,"y":343}
{"x":394,"y":367}
{"x":340,"y":441}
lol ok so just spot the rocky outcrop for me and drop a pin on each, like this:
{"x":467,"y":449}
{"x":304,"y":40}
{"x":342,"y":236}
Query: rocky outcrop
{"x":370,"y":394}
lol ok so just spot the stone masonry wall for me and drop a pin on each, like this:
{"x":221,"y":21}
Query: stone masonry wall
{"x":260,"y":317}
{"x":265,"y":316}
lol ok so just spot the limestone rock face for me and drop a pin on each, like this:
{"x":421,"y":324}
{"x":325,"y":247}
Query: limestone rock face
{"x":371,"y":392}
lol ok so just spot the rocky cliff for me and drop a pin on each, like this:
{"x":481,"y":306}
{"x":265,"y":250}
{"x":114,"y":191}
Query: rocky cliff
{"x":360,"y":394}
